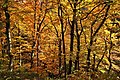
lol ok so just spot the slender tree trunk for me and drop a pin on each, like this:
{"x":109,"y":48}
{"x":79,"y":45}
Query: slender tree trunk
{"x":88,"y":59}
{"x":34,"y":34}
{"x":3,"y":51}
{"x":89,"y":49}
{"x":37,"y":55}
{"x":94,"y":34}
{"x":78,"y":49}
{"x":78,"y":45}
{"x":72,"y":37}
{"x":94,"y":61}
{"x":109,"y":57}
{"x":19,"y":49}
{"x":7,"y":15}
{"x":38,"y":48}
{"x":3,"y":48}
{"x":63,"y":41}
{"x":59,"y":46}
{"x":102,"y":55}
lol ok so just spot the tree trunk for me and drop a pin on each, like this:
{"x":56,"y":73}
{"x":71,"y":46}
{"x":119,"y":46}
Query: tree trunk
{"x":62,"y":31}
{"x":32,"y":53}
{"x":3,"y":48}
{"x":78,"y":47}
{"x":59,"y":46}
{"x":102,"y":55}
{"x":72,"y":36}
{"x":7,"y":15}
{"x":20,"y":62}
{"x":109,"y":57}
{"x":94,"y":34}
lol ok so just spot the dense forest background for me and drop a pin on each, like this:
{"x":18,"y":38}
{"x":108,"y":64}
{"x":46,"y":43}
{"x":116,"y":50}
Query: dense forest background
{"x":59,"y":39}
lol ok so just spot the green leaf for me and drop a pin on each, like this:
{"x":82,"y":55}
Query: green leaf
{"x":5,"y":5}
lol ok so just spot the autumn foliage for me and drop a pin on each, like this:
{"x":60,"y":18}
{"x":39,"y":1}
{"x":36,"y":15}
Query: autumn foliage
{"x":59,"y":39}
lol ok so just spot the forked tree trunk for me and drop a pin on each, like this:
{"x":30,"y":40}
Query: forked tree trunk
{"x":78,"y":46}
{"x":72,"y":36}
{"x":60,"y":12}
{"x":94,"y":34}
